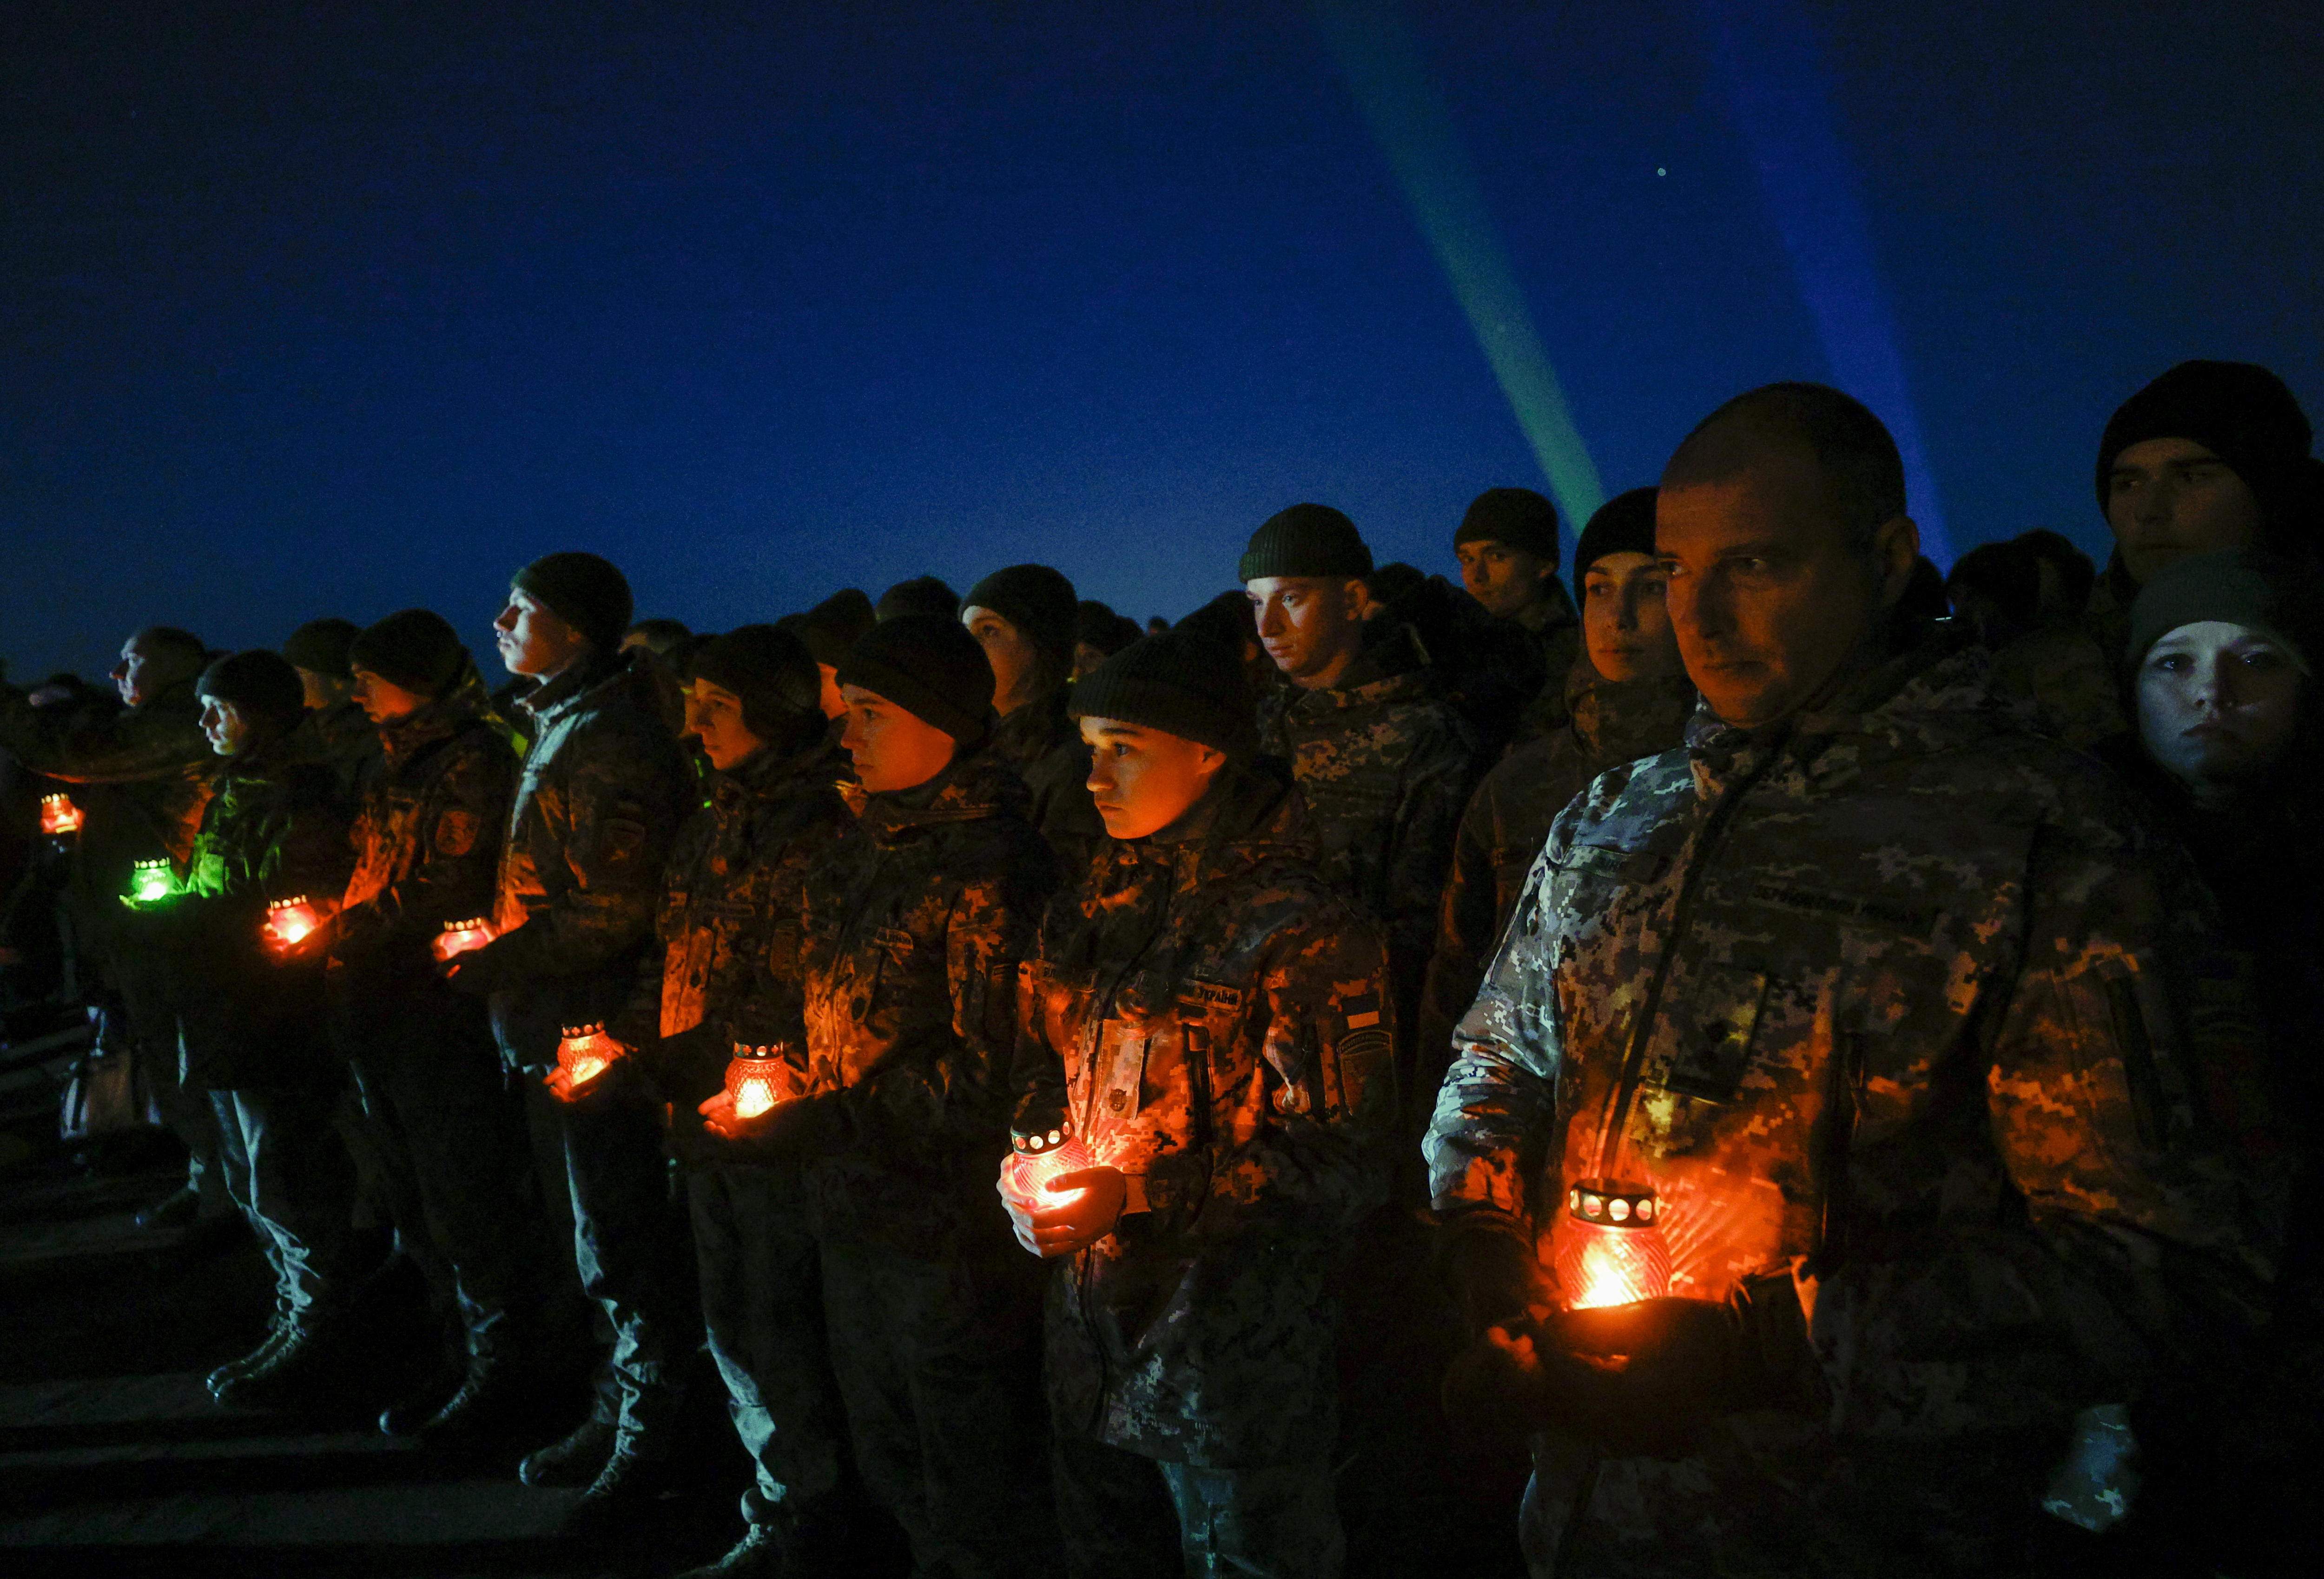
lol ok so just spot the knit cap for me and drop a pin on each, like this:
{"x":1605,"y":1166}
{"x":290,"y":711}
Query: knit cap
{"x":2235,"y":586}
{"x":322,"y":645}
{"x":922,"y":595}
{"x":587,"y":592}
{"x":1181,"y":681}
{"x":1518,"y":517}
{"x":2240,"y":412}
{"x":772,"y":671}
{"x":930,"y":667}
{"x":415,"y":648}
{"x":833,"y":626}
{"x":1306,"y":539}
{"x":262,"y":685}
{"x":1036,"y":600}
{"x":1624,"y":524}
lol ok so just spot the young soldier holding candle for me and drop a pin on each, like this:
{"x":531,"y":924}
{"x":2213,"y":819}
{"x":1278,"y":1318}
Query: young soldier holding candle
{"x":439,"y":1119}
{"x":1211,"y":1023}
{"x":915,"y":923}
{"x":601,"y":794}
{"x":727,"y":974}
{"x":273,"y":832}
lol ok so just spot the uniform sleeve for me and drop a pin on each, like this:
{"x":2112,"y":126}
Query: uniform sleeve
{"x":774,"y":1011}
{"x":1327,"y":1058}
{"x":638,"y":1022}
{"x":624,"y":796}
{"x":451,"y":878}
{"x":126,"y":747}
{"x":1464,"y":942}
{"x":1435,"y":792}
{"x":2121,"y":1087}
{"x":1497,"y":1111}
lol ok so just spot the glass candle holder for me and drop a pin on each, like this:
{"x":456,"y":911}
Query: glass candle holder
{"x":1039,"y":1159}
{"x":755,"y":1079}
{"x":1612,"y":1250}
{"x":289,"y":922}
{"x":460,"y":936}
{"x":584,"y":1053}
{"x":150,"y":881}
{"x":59,"y":818}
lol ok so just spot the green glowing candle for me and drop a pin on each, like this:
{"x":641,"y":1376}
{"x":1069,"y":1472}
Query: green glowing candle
{"x":150,"y":881}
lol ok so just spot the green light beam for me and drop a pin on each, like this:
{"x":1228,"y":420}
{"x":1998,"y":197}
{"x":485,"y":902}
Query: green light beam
{"x":1382,"y":63}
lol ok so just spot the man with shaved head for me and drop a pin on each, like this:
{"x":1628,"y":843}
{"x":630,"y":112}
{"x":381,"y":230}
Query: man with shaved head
{"x":1857,"y":1071}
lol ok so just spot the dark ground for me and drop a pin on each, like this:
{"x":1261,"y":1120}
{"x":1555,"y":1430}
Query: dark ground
{"x":114,"y":1461}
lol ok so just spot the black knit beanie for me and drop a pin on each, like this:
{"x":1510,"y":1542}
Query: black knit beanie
{"x":772,"y":671}
{"x":1518,"y":517}
{"x":322,"y":645}
{"x":1624,"y":524}
{"x":922,"y":595}
{"x":416,"y":649}
{"x":1036,"y":600}
{"x":1306,"y":539}
{"x":833,"y":626}
{"x":262,"y":685}
{"x":2240,"y":412}
{"x":587,"y":592}
{"x":2235,"y":585}
{"x":1180,"y":682}
{"x":930,"y":667}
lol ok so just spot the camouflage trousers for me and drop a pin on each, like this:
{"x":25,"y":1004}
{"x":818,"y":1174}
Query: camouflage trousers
{"x":762,"y":1304}
{"x":938,"y":1365}
{"x":630,"y":1245}
{"x":1122,"y":1515}
{"x":445,"y":1140}
{"x":287,"y":1168}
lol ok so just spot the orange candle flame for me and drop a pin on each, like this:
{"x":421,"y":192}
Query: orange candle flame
{"x":1031,"y":1174}
{"x":1610,"y":1247}
{"x":753,"y":1080}
{"x":289,"y":921}
{"x":59,"y":816}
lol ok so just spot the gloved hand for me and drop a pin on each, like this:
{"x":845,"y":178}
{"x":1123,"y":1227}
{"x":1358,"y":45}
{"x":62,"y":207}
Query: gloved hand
{"x":1490,"y":1267}
{"x":1638,"y":1379}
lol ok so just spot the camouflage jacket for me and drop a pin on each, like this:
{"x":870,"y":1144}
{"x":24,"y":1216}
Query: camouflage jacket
{"x":727,"y":969}
{"x":1555,"y":629}
{"x":913,"y":927}
{"x":2073,"y":691}
{"x":1509,"y":818}
{"x":427,"y":831}
{"x":1385,"y":768}
{"x":1214,"y":1020}
{"x":602,"y":792}
{"x":1047,"y":749}
{"x":275,"y":828}
{"x":343,"y":738}
{"x":1903,"y":1002}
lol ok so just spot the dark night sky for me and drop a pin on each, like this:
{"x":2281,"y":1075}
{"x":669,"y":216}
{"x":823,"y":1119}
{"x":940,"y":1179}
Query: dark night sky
{"x":338,"y":309}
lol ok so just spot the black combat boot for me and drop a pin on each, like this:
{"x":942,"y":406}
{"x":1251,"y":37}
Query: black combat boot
{"x":278,"y":1331}
{"x":411,"y":1413}
{"x":634,"y":1478}
{"x":576,"y":1459}
{"x":311,"y":1360}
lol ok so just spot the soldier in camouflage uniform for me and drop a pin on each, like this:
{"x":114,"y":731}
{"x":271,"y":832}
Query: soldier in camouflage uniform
{"x":443,"y":1132}
{"x":727,"y":973}
{"x":913,"y":925}
{"x":600,"y":797}
{"x":250,"y":1019}
{"x":1384,"y":766}
{"x":1908,"y":1020}
{"x":1208,"y":1020}
{"x":1630,"y":700}
{"x":335,"y":730}
{"x":1024,"y":618}
{"x":140,"y":778}
{"x":1508,"y":547}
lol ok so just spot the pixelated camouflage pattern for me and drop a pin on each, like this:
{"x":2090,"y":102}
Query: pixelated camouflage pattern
{"x":1609,"y":723}
{"x":1555,"y":629}
{"x":275,"y":828}
{"x":427,"y":840}
{"x":914,"y":924}
{"x":343,"y":738}
{"x":1046,"y":749}
{"x":1913,"y":1003}
{"x":2073,"y":691}
{"x":1216,"y":1022}
{"x":601,"y":795}
{"x":727,"y":969}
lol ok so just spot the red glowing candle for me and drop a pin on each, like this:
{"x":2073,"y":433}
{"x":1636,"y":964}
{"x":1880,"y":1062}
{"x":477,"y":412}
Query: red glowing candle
{"x":59,"y":816}
{"x":1040,"y":1160}
{"x":460,"y":936}
{"x":755,"y":1078}
{"x":1611,"y":1249}
{"x":289,"y":921}
{"x":584,"y":1053}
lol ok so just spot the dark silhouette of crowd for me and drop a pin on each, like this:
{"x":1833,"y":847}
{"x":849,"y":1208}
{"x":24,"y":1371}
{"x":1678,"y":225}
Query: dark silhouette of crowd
{"x":1814,"y":1055}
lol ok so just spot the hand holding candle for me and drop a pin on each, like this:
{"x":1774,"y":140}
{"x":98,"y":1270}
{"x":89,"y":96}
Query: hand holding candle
{"x":1059,"y":1199}
{"x":461,"y":937}
{"x":150,"y":882}
{"x":583,"y":1057}
{"x":292,"y":922}
{"x":759,"y":1080}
